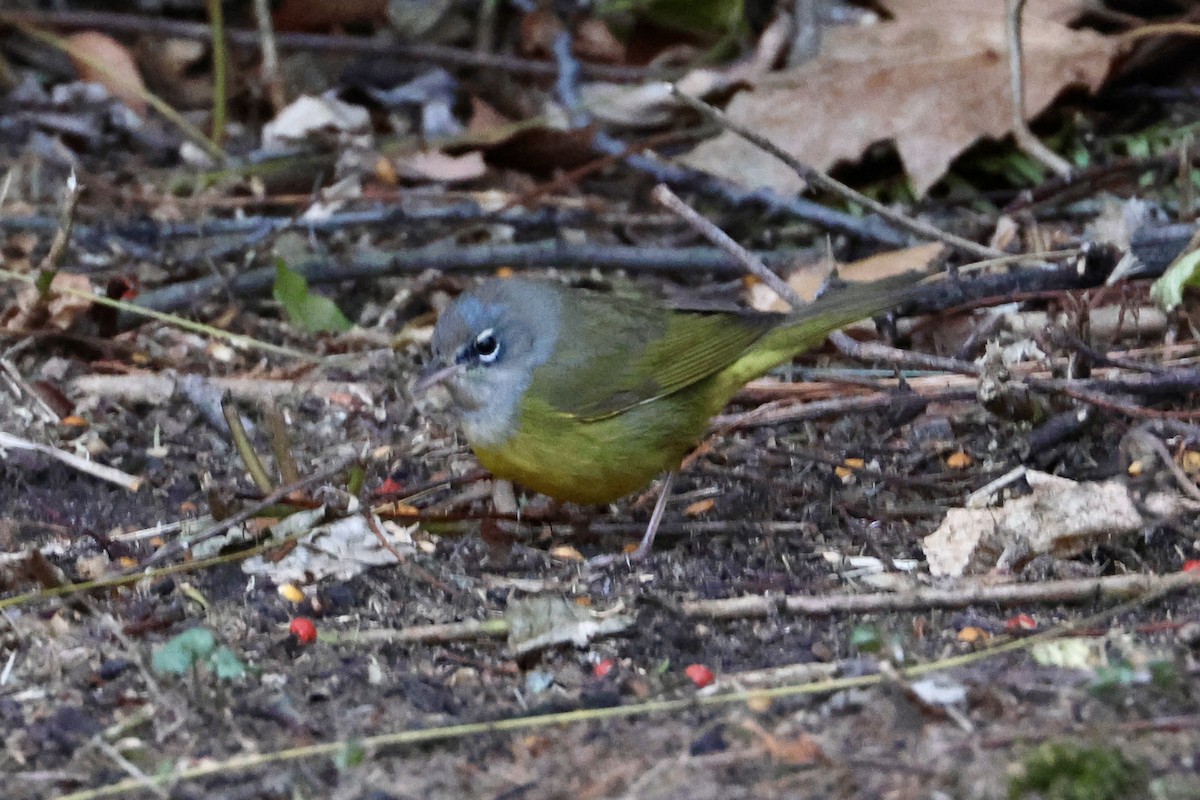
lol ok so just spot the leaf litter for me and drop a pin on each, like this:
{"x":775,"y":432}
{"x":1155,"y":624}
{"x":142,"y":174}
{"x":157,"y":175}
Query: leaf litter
{"x":764,"y":513}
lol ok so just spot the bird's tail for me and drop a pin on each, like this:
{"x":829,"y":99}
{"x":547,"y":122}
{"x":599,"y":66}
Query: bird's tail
{"x":808,"y":327}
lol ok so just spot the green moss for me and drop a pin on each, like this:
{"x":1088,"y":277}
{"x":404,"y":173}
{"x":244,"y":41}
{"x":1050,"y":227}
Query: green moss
{"x":1069,"y":771}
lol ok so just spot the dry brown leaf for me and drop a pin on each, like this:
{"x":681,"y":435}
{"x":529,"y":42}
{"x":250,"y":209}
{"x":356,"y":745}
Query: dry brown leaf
{"x":595,"y":42}
{"x":806,"y":281}
{"x":59,"y":312}
{"x":934,"y":79}
{"x":538,"y":31}
{"x":99,"y":58}
{"x":797,"y":749}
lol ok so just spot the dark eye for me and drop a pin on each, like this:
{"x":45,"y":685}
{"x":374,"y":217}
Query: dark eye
{"x":486,"y":346}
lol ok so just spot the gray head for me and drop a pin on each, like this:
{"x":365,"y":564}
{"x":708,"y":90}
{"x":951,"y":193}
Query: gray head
{"x":486,"y":345}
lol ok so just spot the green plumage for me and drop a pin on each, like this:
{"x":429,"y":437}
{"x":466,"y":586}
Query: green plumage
{"x":597,"y":394}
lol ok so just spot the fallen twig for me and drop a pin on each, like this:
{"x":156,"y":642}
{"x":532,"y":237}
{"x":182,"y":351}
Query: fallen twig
{"x":1008,"y":594}
{"x":158,"y":389}
{"x":110,"y":474}
{"x":1025,"y":138}
{"x":171,"y":548}
{"x":663,"y":195}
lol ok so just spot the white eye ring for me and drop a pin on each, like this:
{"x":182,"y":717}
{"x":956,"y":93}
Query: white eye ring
{"x":486,"y":346}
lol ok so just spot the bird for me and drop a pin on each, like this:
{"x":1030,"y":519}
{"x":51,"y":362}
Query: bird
{"x":587,"y":396}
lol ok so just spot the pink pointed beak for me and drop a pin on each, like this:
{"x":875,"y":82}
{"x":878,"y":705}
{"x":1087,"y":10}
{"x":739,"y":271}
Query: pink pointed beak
{"x":433,"y":375}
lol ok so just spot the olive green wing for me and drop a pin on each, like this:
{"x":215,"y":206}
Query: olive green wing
{"x":637,"y":351}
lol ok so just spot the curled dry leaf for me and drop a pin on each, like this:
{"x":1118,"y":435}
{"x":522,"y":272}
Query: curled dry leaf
{"x":99,"y":58}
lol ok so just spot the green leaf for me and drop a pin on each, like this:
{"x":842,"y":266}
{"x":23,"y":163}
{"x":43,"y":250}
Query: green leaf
{"x":45,"y":277}
{"x":310,"y":312}
{"x":350,"y":755}
{"x":182,"y":652}
{"x":866,"y":638}
{"x":1168,"y":290}
{"x":1110,"y":679}
{"x":226,"y":664}
{"x":1166,"y":675}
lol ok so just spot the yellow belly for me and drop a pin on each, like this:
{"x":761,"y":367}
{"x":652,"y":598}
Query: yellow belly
{"x":598,"y":461}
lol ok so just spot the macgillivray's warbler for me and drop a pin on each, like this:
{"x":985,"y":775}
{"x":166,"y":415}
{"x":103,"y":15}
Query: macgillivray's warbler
{"x":586,"y":396}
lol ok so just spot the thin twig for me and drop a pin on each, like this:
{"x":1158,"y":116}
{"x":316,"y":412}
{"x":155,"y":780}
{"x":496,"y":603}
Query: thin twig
{"x":21,"y":388}
{"x":220,"y":70}
{"x":139,"y":309}
{"x":62,"y":231}
{"x":1141,"y":437}
{"x":110,"y":474}
{"x":1024,"y":137}
{"x":817,"y":409}
{"x":243,"y":446}
{"x":456,"y":258}
{"x":663,"y":195}
{"x":773,"y":203}
{"x":1109,"y":403}
{"x":247,"y":513}
{"x":1074,"y":590}
{"x":136,"y":774}
{"x":820,"y":179}
{"x":280,"y":443}
{"x":873,"y":351}
{"x":276,"y":93}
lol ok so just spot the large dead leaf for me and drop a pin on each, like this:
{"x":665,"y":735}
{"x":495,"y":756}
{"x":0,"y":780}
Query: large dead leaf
{"x":934,"y":79}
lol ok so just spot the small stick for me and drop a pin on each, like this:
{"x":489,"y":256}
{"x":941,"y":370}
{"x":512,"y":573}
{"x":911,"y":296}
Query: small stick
{"x":110,"y":474}
{"x":818,"y":178}
{"x":1063,"y":591}
{"x":281,"y":444}
{"x":663,"y":195}
{"x":1024,"y":137}
{"x":245,"y":449}
{"x":66,"y":219}
{"x":270,"y":56}
{"x":247,"y":513}
{"x":873,"y":351}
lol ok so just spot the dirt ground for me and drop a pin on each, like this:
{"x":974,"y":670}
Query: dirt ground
{"x":81,"y":665}
{"x":381,"y":631}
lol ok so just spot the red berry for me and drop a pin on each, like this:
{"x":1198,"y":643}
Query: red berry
{"x":699,"y":674}
{"x":602,"y":668}
{"x":304,"y":630}
{"x":1021,"y":622}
